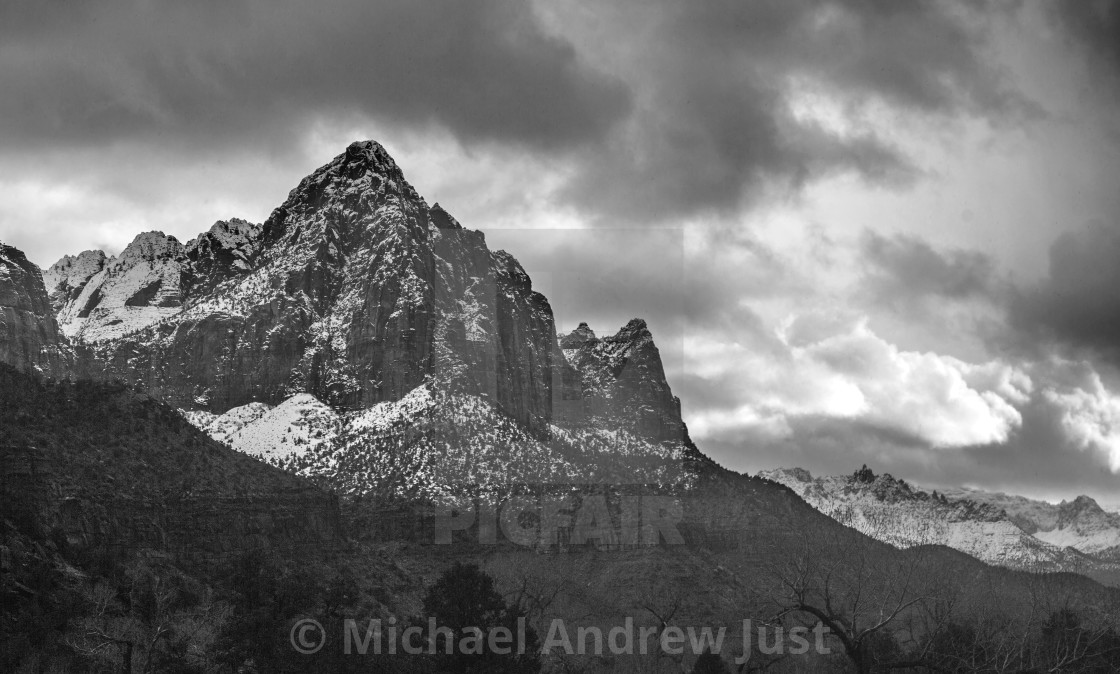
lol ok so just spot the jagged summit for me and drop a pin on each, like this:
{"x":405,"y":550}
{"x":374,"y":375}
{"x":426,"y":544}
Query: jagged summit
{"x":623,"y":378}
{"x":98,"y":297}
{"x":1081,"y":504}
{"x":148,"y":246}
{"x":66,"y":278}
{"x":636,"y":326}
{"x":373,"y":155}
{"x":227,"y":233}
{"x":353,"y":181}
{"x":577,"y":338}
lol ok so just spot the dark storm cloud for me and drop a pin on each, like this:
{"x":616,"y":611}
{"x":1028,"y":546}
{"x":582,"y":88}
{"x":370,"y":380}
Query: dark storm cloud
{"x":902,"y":269}
{"x":1079,"y":302}
{"x":208,"y":73}
{"x":674,"y":108}
{"x":1095,"y":24}
{"x":713,"y":120}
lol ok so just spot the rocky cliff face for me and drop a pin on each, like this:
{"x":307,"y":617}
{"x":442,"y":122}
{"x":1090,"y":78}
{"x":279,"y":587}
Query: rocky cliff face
{"x":622,"y":381}
{"x":29,"y":334}
{"x":99,"y":298}
{"x":66,"y":279}
{"x":353,"y":290}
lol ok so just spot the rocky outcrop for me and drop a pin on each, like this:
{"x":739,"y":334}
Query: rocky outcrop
{"x":29,"y":334}
{"x":100,"y":298}
{"x":623,"y":382}
{"x":225,"y":251}
{"x":67,"y":278}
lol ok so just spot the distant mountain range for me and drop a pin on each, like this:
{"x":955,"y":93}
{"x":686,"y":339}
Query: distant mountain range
{"x":1081,"y":523}
{"x":1005,"y":530}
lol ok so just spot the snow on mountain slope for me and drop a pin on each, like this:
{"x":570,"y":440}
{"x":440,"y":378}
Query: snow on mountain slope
{"x":271,"y":433}
{"x":1081,"y":523}
{"x":892,"y":511}
{"x":98,"y":298}
{"x":1031,"y":515}
{"x":1084,"y":525}
{"x":136,"y":289}
{"x":222,"y":426}
{"x":298,"y":424}
{"x":432,"y":444}
{"x":66,"y":278}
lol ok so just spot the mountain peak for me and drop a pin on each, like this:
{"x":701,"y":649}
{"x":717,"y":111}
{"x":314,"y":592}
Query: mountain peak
{"x":578,"y":337}
{"x":635,"y":333}
{"x":636,"y":325}
{"x":372,"y":154}
{"x":148,"y":246}
{"x":1081,"y":504}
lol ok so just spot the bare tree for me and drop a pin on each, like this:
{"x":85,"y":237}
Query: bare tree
{"x":856,"y":588}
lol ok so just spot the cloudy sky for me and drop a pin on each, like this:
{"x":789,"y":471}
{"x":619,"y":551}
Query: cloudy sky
{"x":862,"y":231}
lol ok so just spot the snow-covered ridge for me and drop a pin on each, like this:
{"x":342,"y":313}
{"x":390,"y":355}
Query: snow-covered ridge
{"x":129,"y":292}
{"x":66,"y":278}
{"x":1081,"y":523}
{"x":431,"y":444}
{"x":299,"y":424}
{"x":893,"y":511}
{"x":99,"y":298}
